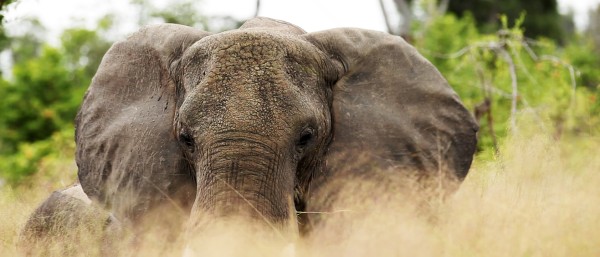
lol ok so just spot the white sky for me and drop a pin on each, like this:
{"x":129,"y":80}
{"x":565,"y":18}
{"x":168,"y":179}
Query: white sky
{"x":311,"y":15}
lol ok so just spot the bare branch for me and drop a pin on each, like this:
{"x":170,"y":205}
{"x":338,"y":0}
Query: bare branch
{"x":505,"y":49}
{"x":386,"y":18}
{"x":257,"y":8}
{"x":443,"y":7}
{"x":515,"y":90}
{"x":406,"y":13}
{"x":554,"y":59}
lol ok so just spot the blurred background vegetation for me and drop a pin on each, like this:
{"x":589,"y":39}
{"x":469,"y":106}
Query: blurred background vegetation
{"x":508,"y":60}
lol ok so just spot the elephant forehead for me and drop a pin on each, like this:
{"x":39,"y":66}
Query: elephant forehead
{"x":258,"y":52}
{"x":247,"y":62}
{"x":252,"y":56}
{"x":255,"y":46}
{"x":250,"y":47}
{"x":250,"y":79}
{"x":255,"y":42}
{"x":248,"y":58}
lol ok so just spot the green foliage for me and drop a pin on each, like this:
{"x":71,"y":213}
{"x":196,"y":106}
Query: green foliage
{"x":183,"y":12}
{"x":519,"y":77}
{"x":41,"y":100}
{"x":83,"y":50}
{"x":3,"y":38}
{"x":30,"y":156}
{"x":584,"y":56}
{"x":43,"y":96}
{"x":29,"y":44}
{"x":179,"y":12}
{"x":593,"y":28}
{"x":543,"y":17}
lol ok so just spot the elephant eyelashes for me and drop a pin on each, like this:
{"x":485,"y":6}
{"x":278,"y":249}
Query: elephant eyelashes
{"x":186,"y":139}
{"x":306,"y":138}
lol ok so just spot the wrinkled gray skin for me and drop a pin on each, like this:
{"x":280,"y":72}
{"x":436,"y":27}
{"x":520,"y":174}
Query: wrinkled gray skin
{"x":68,"y":218}
{"x":255,"y":122}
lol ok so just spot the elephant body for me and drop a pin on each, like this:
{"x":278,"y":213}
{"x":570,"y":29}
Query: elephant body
{"x":258,"y":122}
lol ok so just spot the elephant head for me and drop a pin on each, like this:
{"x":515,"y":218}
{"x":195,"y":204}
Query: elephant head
{"x":247,"y":122}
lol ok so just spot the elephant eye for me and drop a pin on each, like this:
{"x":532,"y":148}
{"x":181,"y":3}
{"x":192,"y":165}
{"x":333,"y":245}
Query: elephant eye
{"x":306,"y":138}
{"x":186,"y":139}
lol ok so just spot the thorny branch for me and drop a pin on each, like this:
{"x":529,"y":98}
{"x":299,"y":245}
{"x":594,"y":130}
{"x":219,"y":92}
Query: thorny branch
{"x":508,"y":53}
{"x":514,"y":86}
{"x":553,"y":59}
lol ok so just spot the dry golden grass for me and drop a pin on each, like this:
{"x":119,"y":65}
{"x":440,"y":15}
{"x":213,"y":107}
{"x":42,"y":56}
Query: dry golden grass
{"x":540,"y":198}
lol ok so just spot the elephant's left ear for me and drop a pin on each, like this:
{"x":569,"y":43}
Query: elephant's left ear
{"x":127,"y":149}
{"x":392,"y":106}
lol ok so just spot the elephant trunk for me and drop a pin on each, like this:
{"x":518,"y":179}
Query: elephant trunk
{"x":242,"y":179}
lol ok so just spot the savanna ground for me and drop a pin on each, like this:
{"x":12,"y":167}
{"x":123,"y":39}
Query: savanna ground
{"x":539,"y":197}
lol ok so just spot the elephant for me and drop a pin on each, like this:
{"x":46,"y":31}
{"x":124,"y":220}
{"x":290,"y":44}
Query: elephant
{"x":256,"y":122}
{"x":67,"y":216}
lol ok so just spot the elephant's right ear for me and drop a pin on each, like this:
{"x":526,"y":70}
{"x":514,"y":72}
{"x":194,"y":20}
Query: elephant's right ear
{"x":124,"y":131}
{"x":392,"y":106}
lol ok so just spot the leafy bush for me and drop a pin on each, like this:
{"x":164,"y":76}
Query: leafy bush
{"x":31,"y":157}
{"x":504,"y":75}
{"x":41,"y":100}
